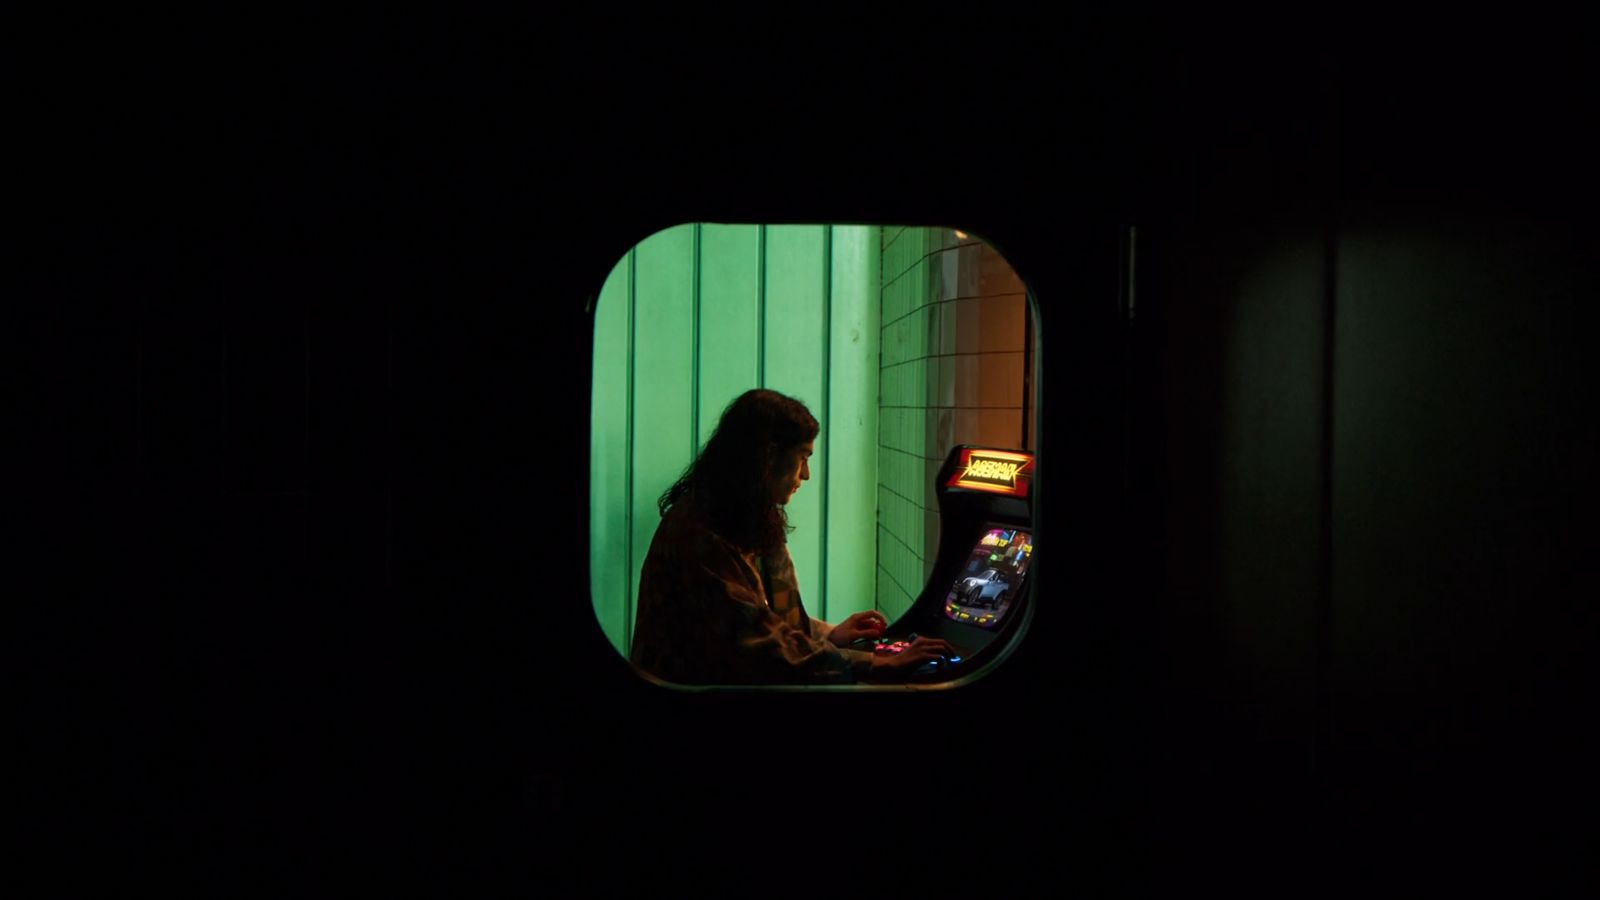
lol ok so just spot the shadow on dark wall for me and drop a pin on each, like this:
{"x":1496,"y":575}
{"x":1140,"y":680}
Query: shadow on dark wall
{"x":299,"y":420}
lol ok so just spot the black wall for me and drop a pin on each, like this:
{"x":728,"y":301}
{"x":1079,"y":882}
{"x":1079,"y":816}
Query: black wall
{"x":303,"y":444}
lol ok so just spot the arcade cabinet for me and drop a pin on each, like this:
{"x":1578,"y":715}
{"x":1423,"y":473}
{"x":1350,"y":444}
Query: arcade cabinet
{"x":977,"y":594}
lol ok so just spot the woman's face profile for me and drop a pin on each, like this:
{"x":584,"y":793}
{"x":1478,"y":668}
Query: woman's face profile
{"x":789,"y":469}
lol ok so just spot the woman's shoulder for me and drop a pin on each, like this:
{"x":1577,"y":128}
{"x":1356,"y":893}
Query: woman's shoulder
{"x":683,"y":515}
{"x":684,"y":528}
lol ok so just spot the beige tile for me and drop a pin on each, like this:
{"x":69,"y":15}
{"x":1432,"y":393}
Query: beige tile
{"x":1002,"y":323}
{"x":1000,"y":379}
{"x":969,"y":324}
{"x":968,"y":370}
{"x":1001,"y":428}
{"x":968,"y":270}
{"x":965,"y":429}
{"x":995,"y":275}
{"x":948,"y":328}
{"x":944,"y":270}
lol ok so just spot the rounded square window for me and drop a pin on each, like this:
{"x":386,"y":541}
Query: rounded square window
{"x":812,"y":453}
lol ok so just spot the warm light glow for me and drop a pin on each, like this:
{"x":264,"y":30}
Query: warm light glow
{"x":962,"y":235}
{"x":994,"y":470}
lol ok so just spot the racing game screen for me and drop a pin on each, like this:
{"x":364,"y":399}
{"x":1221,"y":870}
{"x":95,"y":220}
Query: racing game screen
{"x":988,"y":584}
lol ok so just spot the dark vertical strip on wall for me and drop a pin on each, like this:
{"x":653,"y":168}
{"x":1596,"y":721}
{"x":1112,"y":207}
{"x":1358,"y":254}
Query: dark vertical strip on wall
{"x":627,"y":443}
{"x":1322,"y":622}
{"x":305,"y":388}
{"x":1128,"y":278}
{"x":388,"y":487}
{"x":827,"y":406}
{"x":1323,"y":617}
{"x":305,"y":437}
{"x":138,"y":402}
{"x":761,"y":305}
{"x":694,"y":343}
{"x":226,"y":475}
{"x":1027,"y":373}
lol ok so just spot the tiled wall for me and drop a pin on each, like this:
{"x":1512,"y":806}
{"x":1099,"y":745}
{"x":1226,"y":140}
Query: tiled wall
{"x":954,"y":371}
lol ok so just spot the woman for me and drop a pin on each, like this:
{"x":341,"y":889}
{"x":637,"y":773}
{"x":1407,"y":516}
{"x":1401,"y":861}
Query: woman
{"x":718,"y":598}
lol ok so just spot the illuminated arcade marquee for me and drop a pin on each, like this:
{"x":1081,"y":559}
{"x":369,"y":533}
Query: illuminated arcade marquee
{"x":995,"y":471}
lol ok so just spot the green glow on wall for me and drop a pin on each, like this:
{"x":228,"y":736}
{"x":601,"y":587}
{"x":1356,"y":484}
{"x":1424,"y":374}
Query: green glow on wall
{"x":687,"y":320}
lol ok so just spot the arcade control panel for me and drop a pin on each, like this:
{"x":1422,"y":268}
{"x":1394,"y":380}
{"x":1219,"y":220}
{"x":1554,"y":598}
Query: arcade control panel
{"x":895,"y":645}
{"x":979,"y":588}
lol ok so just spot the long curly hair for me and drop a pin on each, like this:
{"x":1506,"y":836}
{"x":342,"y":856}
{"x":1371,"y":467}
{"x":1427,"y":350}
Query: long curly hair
{"x":729,"y":480}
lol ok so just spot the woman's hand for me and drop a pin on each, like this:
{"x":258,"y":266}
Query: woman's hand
{"x":900,"y":666}
{"x":869,"y":624}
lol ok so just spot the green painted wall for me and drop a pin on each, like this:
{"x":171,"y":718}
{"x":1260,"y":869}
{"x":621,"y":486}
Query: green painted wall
{"x":690,"y":318}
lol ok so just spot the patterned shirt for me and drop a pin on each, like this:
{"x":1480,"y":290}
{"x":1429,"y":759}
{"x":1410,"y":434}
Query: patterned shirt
{"x":712,"y":614}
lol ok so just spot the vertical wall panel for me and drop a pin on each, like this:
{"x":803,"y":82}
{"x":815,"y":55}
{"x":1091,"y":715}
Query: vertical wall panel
{"x":730,"y":331}
{"x":796,"y":317}
{"x":609,"y":509}
{"x":852,"y":456}
{"x":663,"y":377}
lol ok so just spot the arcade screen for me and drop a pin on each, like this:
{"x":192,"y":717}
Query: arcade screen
{"x":989,"y":583}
